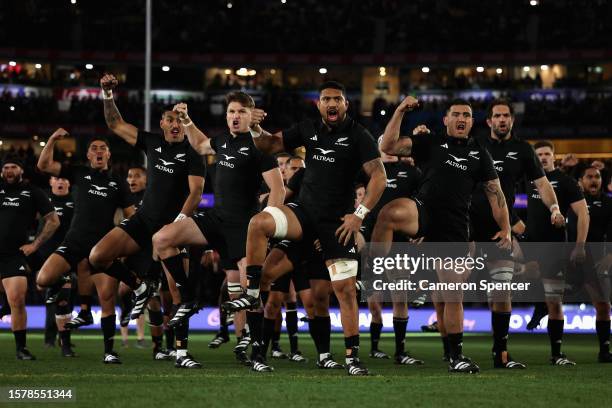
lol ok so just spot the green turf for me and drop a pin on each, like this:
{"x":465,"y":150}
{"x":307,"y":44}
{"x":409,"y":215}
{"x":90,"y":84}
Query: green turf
{"x":222,"y":382}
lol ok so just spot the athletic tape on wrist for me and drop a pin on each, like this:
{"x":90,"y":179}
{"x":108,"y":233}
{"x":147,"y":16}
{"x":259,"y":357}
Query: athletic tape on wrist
{"x":254,"y":133}
{"x":107,"y":94}
{"x":554,"y":207}
{"x":361,"y":211}
{"x":187,"y":124}
{"x":179,"y":217}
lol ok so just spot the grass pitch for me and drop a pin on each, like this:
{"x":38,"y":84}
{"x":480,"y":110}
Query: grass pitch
{"x":142,"y":382}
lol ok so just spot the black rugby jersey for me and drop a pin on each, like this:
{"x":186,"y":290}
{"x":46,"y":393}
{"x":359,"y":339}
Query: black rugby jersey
{"x":64,"y":208}
{"x":514,"y":159}
{"x":539,"y":227}
{"x":97,"y":195}
{"x":452,"y":167}
{"x":333,"y":159}
{"x":19,"y":204}
{"x":238,"y":176}
{"x":600,"y":223}
{"x":402,"y":181}
{"x":168,"y":168}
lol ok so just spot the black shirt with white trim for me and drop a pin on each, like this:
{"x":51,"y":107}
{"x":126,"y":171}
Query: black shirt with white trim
{"x":19,"y":204}
{"x":238,"y":175}
{"x":168,"y":170}
{"x":333,"y":159}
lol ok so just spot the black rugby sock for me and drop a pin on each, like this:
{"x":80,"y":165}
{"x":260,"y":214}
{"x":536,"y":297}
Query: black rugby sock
{"x":375,"y":330}
{"x":555,"y":335}
{"x":108,"y":331}
{"x":176,"y":268}
{"x":399,"y":329}
{"x":603,"y":335}
{"x":500,"y":322}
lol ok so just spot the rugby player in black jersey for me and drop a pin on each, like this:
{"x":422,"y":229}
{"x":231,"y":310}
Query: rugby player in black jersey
{"x":514,"y":160}
{"x":337,"y":148}
{"x":58,"y":300}
{"x":540,"y":230}
{"x":175,"y":181}
{"x":287,"y":262}
{"x":98,"y":194}
{"x":241,"y":168}
{"x":403,"y":180}
{"x":595,"y":273}
{"x":20,"y":202}
{"x":452,"y":165}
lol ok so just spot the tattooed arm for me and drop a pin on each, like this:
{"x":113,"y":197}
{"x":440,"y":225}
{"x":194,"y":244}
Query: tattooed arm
{"x":113,"y":118}
{"x":391,"y":143}
{"x":497,"y":201}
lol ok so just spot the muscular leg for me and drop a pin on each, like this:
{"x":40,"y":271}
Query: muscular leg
{"x":52,"y":270}
{"x":166,"y":242}
{"x":16,"y":288}
{"x":399,"y":215}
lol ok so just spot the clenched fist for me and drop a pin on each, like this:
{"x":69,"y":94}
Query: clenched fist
{"x":108,"y":82}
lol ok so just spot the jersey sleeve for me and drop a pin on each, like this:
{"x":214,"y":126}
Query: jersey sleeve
{"x":126,"y":198}
{"x":487,"y":169}
{"x":293,"y":137}
{"x":295,"y":181}
{"x":266,"y":162}
{"x":41,"y":201}
{"x":531,"y":164}
{"x":142,"y":139}
{"x":197,"y":163}
{"x":368,"y":149}
{"x":574,"y":193}
{"x":213,"y":143}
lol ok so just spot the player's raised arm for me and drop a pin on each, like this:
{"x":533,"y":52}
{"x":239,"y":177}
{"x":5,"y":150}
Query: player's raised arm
{"x":46,"y":164}
{"x":198,"y":140}
{"x":392,"y":144}
{"x":114,"y":121}
{"x":265,"y":141}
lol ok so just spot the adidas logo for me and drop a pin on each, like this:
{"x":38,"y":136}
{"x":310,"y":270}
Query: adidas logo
{"x":352,"y":250}
{"x":224,"y":145}
{"x":22,"y":268}
{"x":445,"y":145}
{"x":314,"y":138}
{"x":158,"y":150}
{"x":87,"y":177}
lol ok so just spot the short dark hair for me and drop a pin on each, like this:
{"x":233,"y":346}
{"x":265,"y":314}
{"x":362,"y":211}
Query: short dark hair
{"x":458,"y":101}
{"x":584,"y":170}
{"x":242,"y":98}
{"x":137,"y":166}
{"x":332,"y":85}
{"x":98,"y":139}
{"x":164,"y":109}
{"x":543,"y":143}
{"x":282,"y":154}
{"x":498,"y":102}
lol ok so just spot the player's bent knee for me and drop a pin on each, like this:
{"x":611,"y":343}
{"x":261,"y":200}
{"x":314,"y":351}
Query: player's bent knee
{"x":281,"y":224}
{"x":343,"y":269}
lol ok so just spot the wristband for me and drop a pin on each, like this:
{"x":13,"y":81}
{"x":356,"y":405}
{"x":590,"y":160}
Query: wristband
{"x":361,"y":211}
{"x":554,"y":207}
{"x":187,"y":124}
{"x":209,"y":251}
{"x":254,"y":133}
{"x":179,"y":217}
{"x":107,"y":94}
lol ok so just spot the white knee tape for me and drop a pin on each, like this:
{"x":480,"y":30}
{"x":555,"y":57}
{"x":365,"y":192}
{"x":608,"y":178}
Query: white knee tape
{"x":280,"y":219}
{"x":553,"y":290}
{"x":502,"y":274}
{"x":343,"y":269}
{"x":234,"y":288}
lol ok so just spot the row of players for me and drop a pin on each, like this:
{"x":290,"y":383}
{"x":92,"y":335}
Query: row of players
{"x":317,"y":225}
